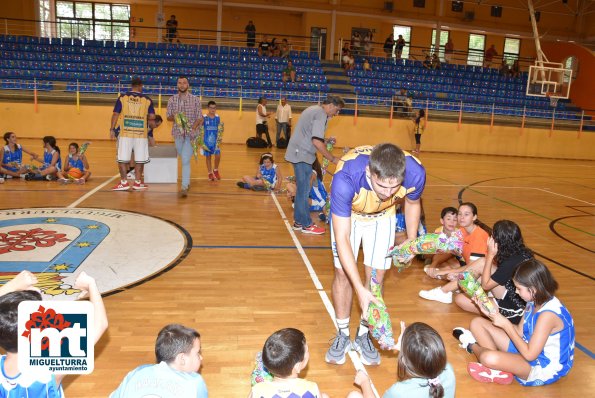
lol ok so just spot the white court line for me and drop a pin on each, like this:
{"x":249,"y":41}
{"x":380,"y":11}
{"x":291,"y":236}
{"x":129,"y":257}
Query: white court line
{"x":91,"y":192}
{"x":357,"y":363}
{"x":565,"y":196}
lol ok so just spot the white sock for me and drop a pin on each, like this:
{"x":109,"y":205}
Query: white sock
{"x":363,"y":328}
{"x":343,"y":325}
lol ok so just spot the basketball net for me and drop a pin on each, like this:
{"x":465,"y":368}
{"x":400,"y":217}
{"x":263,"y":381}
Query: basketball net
{"x":553,"y":100}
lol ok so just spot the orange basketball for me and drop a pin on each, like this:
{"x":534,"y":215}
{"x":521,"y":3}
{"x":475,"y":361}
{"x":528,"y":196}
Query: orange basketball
{"x":75,"y":173}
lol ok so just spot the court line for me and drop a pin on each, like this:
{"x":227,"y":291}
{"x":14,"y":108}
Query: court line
{"x":91,"y":192}
{"x":357,"y":364}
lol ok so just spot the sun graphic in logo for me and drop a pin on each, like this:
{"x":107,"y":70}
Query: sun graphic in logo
{"x":61,"y":267}
{"x":83,"y":244}
{"x":51,"y":220}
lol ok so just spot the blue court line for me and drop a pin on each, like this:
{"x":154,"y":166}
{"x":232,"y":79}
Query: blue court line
{"x":584,"y":349}
{"x":255,"y":247}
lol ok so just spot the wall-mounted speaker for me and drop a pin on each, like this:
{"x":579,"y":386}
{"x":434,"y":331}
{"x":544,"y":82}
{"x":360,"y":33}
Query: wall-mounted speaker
{"x":457,"y":6}
{"x":537,"y":16}
{"x":469,"y":16}
{"x":389,"y":6}
{"x":496,"y":11}
{"x":419,"y":3}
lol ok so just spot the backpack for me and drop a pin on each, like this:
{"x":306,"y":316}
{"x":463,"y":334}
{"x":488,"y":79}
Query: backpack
{"x":282,"y":143}
{"x":256,"y":142}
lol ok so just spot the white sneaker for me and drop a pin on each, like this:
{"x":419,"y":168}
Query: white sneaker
{"x":131,"y":175}
{"x":436,"y":294}
{"x":465,"y":337}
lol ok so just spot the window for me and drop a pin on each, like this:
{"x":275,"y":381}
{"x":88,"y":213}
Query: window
{"x":405,"y":31}
{"x":45,"y":25}
{"x":512,"y":49}
{"x":572,"y":64}
{"x":477,"y":45}
{"x":443,"y":39}
{"x":93,"y":21}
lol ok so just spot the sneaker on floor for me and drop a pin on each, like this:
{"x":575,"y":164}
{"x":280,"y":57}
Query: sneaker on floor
{"x":313,"y":230}
{"x":296,"y":226}
{"x":436,"y":294}
{"x":80,"y":181}
{"x":184,"y":192}
{"x":465,"y":337}
{"x":63,"y":181}
{"x":122,"y":186}
{"x":131,"y":175}
{"x":216,"y":174}
{"x":484,"y":374}
{"x":368,"y":353}
{"x":211,"y":176}
{"x":240,"y":184}
{"x":140,"y":186}
{"x":258,"y":188}
{"x":339,"y":347}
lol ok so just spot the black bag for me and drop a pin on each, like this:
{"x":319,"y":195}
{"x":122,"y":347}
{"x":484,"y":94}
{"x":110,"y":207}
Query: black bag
{"x":282,"y":143}
{"x":256,"y":142}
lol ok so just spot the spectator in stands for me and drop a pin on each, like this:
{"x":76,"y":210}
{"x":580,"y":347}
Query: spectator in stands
{"x":368,"y":43}
{"x":435,"y":61}
{"x":449,"y":49}
{"x":283,"y":118}
{"x":261,"y":120}
{"x":389,"y":44}
{"x":366,"y":66}
{"x":289,"y":72}
{"x":399,"y":46}
{"x":264,"y":48}
{"x":274,"y":49}
{"x":356,"y":43}
{"x":515,"y":71}
{"x":348,"y":61}
{"x":284,"y":49}
{"x":427,"y":64}
{"x":504,"y":70}
{"x":402,"y":103}
{"x":172,"y":29}
{"x":250,"y":31}
{"x":489,"y":56}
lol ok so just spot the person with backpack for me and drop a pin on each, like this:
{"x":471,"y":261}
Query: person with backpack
{"x":283,"y":119}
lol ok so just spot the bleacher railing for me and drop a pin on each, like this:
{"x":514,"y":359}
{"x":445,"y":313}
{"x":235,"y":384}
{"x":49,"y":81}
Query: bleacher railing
{"x":358,"y":105}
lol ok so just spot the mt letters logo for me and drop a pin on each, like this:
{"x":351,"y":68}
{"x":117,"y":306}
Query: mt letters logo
{"x":56,"y":336}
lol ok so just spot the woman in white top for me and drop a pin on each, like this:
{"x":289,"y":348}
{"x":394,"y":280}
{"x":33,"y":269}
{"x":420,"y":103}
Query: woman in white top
{"x":261,"y":120}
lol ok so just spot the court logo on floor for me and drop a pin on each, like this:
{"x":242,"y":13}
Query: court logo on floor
{"x":117,"y":248}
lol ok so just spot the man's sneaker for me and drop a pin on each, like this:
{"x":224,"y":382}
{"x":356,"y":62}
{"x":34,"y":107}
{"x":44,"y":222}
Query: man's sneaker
{"x":296,"y":226}
{"x":139,"y":186}
{"x":216,"y":174}
{"x":122,"y":186}
{"x":339,"y":347}
{"x":313,"y":230}
{"x":368,"y":353}
{"x":465,"y":338}
{"x":484,"y":374}
{"x":131,"y":175}
{"x":184,"y":192}
{"x":211,"y":176}
{"x":436,"y":294}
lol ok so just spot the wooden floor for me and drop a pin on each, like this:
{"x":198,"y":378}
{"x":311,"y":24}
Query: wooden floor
{"x":244,"y":277}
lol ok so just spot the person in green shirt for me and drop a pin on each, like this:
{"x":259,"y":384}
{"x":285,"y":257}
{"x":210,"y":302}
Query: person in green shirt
{"x":289,"y":72}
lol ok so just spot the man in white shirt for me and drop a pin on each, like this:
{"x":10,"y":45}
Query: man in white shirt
{"x":283,"y":118}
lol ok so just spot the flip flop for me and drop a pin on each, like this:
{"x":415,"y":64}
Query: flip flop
{"x":484,"y":374}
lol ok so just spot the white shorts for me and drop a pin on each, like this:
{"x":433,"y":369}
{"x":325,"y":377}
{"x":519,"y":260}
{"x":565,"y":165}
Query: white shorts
{"x":140,"y":146}
{"x":376,"y":235}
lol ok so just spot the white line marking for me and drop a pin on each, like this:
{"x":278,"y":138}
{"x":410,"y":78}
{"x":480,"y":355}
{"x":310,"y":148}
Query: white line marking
{"x":565,"y":196}
{"x":91,"y":192}
{"x":357,"y":363}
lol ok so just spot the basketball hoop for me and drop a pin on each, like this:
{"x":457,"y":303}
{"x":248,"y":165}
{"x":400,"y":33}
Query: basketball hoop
{"x":553,"y":100}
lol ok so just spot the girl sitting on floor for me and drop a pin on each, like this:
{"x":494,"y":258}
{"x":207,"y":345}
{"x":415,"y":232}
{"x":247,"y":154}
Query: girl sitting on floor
{"x":76,"y":166}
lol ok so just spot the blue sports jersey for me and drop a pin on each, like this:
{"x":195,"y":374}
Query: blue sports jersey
{"x":269,"y":174}
{"x":47,"y":159}
{"x":76,"y":163}
{"x":211,"y":127}
{"x":351,"y":192}
{"x":9,"y":157}
{"x":557,"y":356}
{"x":38,"y":385}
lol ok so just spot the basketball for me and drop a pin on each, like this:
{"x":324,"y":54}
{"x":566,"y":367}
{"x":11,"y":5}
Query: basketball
{"x":75,"y":173}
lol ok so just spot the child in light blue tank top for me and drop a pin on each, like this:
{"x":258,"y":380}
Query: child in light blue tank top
{"x":11,"y":157}
{"x":76,"y":166}
{"x":51,"y":163}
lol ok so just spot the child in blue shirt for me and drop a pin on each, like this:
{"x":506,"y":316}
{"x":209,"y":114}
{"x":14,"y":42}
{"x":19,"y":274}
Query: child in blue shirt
{"x":178,"y":352}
